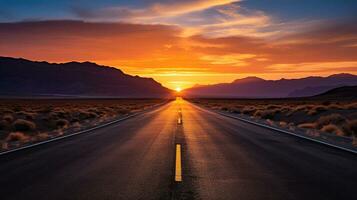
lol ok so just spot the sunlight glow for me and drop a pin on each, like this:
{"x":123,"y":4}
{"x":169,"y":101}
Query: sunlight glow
{"x":178,"y":89}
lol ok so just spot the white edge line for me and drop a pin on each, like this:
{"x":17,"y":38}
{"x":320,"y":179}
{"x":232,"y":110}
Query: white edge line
{"x":81,"y":132}
{"x":277,"y":129}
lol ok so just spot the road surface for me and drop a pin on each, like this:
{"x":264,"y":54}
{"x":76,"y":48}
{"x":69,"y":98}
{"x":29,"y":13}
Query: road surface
{"x":220,"y":158}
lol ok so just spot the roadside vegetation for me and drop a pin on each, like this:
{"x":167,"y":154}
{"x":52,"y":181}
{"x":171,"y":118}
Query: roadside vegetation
{"x":29,"y":121}
{"x":315,"y":116}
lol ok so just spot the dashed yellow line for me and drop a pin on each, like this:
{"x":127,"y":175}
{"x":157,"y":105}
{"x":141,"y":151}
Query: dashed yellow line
{"x":178,"y":171}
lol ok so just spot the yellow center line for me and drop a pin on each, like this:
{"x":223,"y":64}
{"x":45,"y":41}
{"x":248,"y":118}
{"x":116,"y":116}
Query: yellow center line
{"x":178,"y":172}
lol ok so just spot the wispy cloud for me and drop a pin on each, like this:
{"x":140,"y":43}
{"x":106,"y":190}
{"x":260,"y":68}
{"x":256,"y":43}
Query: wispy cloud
{"x":153,"y":11}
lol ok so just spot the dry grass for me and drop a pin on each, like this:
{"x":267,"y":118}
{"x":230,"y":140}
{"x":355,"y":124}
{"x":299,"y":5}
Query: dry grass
{"x":33,"y":120}
{"x":23,"y":125}
{"x":331,"y":128}
{"x":17,"y":137}
{"x":336,"y":117}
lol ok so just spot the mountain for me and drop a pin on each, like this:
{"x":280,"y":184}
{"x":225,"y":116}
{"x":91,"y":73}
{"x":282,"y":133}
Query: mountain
{"x":20,"y":77}
{"x":343,"y":93}
{"x":254,"y":87}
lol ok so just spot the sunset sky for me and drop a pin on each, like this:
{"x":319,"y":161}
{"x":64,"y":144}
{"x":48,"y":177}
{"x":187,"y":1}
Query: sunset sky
{"x":187,"y":42}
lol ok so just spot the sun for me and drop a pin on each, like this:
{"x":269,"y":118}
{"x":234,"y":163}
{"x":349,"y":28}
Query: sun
{"x":178,"y":89}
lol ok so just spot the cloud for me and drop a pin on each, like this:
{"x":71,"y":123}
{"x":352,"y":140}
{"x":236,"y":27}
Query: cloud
{"x":228,"y":59}
{"x":212,"y":18}
{"x":162,"y":52}
{"x":77,"y":40}
{"x":156,"y":10}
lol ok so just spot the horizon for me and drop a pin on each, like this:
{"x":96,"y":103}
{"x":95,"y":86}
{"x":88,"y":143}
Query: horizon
{"x":180,"y":89}
{"x":181,"y":44}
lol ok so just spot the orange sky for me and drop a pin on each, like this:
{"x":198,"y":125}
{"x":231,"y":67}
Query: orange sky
{"x":181,"y":55}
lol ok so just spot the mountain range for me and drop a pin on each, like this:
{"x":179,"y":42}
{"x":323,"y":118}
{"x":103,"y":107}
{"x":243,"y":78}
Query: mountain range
{"x":20,"y":77}
{"x":254,"y":87}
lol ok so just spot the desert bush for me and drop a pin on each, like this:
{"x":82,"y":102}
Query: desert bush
{"x":8,"y":118}
{"x":334,"y":106}
{"x":302,"y":108}
{"x":283,"y":124}
{"x":317,"y":110}
{"x":16,"y":136}
{"x":335,"y":119}
{"x":4,"y":125}
{"x":83,"y":115}
{"x":351,"y":106}
{"x":24,"y":125}
{"x":266,"y":114}
{"x":248,"y":110}
{"x":331,"y":128}
{"x":272,"y":107}
{"x":47,"y":109}
{"x":352,"y":127}
{"x":326,"y":103}
{"x":62,"y":123}
{"x":122,"y":111}
{"x":307,"y":125}
{"x":7,"y":111}
{"x":61,"y":114}
{"x":26,"y":115}
{"x":224,"y":108}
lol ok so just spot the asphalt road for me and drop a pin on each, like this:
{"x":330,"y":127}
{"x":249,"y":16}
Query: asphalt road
{"x":221,"y":158}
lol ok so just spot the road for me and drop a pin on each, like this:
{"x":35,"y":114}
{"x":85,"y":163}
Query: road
{"x":221,"y":158}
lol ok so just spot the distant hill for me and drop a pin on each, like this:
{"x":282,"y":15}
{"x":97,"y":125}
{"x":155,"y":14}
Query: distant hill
{"x":20,"y":77}
{"x":345,"y":93}
{"x":254,"y":87}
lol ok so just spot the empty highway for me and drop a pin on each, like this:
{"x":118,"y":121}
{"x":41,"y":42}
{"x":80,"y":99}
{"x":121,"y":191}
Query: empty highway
{"x":179,"y":152}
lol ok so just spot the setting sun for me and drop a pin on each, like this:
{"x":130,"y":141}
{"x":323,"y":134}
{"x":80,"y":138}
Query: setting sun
{"x":178,"y":89}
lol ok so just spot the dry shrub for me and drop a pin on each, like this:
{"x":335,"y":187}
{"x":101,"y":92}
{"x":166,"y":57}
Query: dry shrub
{"x":24,"y":125}
{"x":283,"y":124}
{"x":307,"y":125}
{"x":8,"y":117}
{"x":351,"y":106}
{"x":224,"y":109}
{"x":83,"y":115}
{"x":326,"y":103}
{"x":7,"y":111}
{"x":62,"y":123}
{"x":248,"y":110}
{"x":352,"y":127}
{"x":266,"y":114}
{"x":47,"y":109}
{"x":17,"y":136}
{"x":317,"y":110}
{"x":335,"y":119}
{"x":123,"y":111}
{"x":331,"y":128}
{"x":42,"y":136}
{"x":272,"y":107}
{"x":334,"y":107}
{"x":302,"y":108}
{"x":4,"y":125}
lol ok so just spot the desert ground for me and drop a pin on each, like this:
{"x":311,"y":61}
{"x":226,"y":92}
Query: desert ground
{"x":334,"y":117}
{"x":24,"y":121}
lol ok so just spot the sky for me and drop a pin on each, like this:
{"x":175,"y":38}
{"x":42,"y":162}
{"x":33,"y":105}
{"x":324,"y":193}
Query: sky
{"x":187,"y":42}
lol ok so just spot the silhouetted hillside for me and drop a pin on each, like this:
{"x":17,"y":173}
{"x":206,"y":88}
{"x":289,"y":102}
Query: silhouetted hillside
{"x":345,"y":93}
{"x":253,"y":87}
{"x":20,"y":77}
